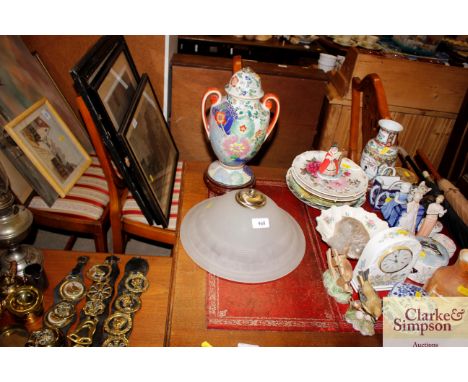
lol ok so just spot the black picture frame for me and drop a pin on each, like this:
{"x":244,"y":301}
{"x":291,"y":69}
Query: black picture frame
{"x":152,"y":149}
{"x":88,"y":76}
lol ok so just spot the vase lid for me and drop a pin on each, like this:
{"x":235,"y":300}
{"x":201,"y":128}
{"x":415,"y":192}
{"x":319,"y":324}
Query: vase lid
{"x":243,"y":236}
{"x":245,"y":83}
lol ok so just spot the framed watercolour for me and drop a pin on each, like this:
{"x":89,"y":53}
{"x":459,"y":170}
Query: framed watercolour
{"x":106,"y":78}
{"x":153,"y":153}
{"x":49,"y":144}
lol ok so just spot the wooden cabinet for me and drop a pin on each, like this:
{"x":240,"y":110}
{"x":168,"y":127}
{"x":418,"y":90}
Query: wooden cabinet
{"x":424,"y":97}
{"x":301,"y":92}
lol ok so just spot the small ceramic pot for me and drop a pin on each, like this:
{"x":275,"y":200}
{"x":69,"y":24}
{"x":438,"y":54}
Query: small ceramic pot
{"x":381,"y":150}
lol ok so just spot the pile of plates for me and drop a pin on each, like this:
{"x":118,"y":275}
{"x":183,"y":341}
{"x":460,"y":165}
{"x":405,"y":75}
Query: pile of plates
{"x":348,"y":188}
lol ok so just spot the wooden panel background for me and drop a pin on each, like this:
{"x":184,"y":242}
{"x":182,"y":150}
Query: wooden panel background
{"x":61,"y":53}
{"x":430,"y":133}
{"x":425,"y":98}
{"x":301,"y":101}
{"x":414,"y":84}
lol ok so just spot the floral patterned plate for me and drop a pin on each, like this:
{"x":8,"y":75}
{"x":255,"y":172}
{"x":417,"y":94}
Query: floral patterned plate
{"x":327,"y":220}
{"x":334,"y":200}
{"x":350,"y":184}
{"x":315,"y":201}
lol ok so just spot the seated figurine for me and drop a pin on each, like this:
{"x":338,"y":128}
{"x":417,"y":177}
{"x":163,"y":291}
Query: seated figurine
{"x":330,"y":166}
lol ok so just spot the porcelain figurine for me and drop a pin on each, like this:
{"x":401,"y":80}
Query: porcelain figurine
{"x":237,"y":126}
{"x":337,"y":277}
{"x":370,"y":300}
{"x":381,"y":150}
{"x":408,"y":220}
{"x":393,"y":209}
{"x":330,"y":167}
{"x":434,"y":211}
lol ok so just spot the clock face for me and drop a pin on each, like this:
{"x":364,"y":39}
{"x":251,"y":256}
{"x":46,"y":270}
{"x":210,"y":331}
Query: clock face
{"x":396,"y":260}
{"x":390,"y":256}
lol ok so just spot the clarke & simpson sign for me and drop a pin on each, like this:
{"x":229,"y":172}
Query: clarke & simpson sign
{"x":425,"y":321}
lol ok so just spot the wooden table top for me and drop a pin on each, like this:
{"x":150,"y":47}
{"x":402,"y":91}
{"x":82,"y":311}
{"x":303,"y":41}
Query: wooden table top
{"x":149,"y":324}
{"x":187,"y":319}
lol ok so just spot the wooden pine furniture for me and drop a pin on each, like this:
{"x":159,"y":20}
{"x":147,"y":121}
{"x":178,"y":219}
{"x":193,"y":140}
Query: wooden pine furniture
{"x":187,"y":320}
{"x":374,"y":107}
{"x":125,"y":216}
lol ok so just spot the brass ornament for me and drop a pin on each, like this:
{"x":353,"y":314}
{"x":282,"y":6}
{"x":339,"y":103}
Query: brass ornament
{"x":128,"y":303}
{"x":72,"y":289}
{"x":99,"y":273}
{"x":83,"y":334}
{"x":118,"y":324}
{"x":24,"y":301}
{"x":60,"y":315}
{"x":115,"y":341}
{"x":99,"y":291}
{"x":94,"y":308}
{"x":136,"y":282}
{"x":45,"y":337}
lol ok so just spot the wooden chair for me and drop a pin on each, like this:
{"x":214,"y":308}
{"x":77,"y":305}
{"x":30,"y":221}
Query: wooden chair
{"x":83,"y":212}
{"x":126,"y":217}
{"x":374,"y":107}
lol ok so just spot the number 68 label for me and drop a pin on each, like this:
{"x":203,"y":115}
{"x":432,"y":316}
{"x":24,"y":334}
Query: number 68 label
{"x":259,"y":223}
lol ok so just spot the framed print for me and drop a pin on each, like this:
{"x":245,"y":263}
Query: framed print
{"x":23,"y":82}
{"x":116,"y":86}
{"x":49,"y":144}
{"x":153,"y":153}
{"x":106,"y":78}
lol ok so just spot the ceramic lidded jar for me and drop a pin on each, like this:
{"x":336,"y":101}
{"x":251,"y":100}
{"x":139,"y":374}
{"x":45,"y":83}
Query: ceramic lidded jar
{"x":381,"y":152}
{"x":237,"y":126}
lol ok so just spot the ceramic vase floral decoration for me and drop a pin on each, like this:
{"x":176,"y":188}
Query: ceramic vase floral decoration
{"x":381,"y":151}
{"x":237,"y":126}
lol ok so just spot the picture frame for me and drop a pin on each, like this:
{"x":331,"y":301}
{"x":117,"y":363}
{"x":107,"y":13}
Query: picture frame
{"x":153,"y":152}
{"x":116,"y":83}
{"x":23,"y":81}
{"x":89,"y":76}
{"x":50,"y":145}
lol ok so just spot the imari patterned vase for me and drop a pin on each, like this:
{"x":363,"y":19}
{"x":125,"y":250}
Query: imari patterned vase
{"x":381,"y":151}
{"x":237,"y":126}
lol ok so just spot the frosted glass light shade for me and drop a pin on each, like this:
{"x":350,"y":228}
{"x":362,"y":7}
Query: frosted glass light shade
{"x":238,"y":243}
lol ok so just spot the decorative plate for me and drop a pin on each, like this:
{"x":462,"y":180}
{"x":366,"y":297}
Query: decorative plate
{"x":407,"y":290}
{"x":446,"y":242}
{"x":350,"y":184}
{"x":433,"y":256}
{"x":315,"y":194}
{"x":315,"y":201}
{"x":328,"y":219}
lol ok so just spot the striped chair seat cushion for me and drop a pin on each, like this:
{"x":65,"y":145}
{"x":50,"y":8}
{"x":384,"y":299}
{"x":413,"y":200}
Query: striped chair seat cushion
{"x":132,"y":211}
{"x":87,"y":199}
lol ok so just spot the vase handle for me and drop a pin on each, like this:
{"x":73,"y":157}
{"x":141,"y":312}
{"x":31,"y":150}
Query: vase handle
{"x":215,"y":97}
{"x":267,"y":103}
